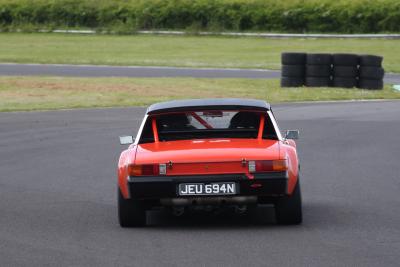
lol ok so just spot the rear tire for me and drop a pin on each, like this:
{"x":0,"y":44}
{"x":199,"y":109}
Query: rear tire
{"x":131,"y":212}
{"x":288,"y":209}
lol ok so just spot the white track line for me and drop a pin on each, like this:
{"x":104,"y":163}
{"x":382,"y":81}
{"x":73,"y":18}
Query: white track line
{"x":244,"y":34}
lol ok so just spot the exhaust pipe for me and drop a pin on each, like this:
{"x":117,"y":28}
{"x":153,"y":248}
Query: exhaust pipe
{"x":240,"y":209}
{"x":178,"y":211}
{"x":238,"y":200}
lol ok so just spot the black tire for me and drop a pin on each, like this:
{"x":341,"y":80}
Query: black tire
{"x":345,"y":71}
{"x":319,"y":59}
{"x":318,"y":81}
{"x":372,"y":73}
{"x":371,"y":60}
{"x":345,"y":59}
{"x":131,"y":212}
{"x":292,"y":81}
{"x":293,"y":70}
{"x":370,"y":84}
{"x":344,"y":82}
{"x":318,"y":70}
{"x":293,"y":58}
{"x":288,"y":209}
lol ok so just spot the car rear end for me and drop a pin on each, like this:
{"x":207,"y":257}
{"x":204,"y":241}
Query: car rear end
{"x":206,"y":157}
{"x":233,"y":171}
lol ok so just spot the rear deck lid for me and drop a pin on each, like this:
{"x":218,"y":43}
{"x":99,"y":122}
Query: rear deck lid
{"x":217,"y":156}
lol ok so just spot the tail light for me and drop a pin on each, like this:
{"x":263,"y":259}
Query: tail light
{"x":268,"y":165}
{"x":141,"y":170}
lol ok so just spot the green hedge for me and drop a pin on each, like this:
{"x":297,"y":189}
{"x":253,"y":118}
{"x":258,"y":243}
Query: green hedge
{"x":341,"y":16}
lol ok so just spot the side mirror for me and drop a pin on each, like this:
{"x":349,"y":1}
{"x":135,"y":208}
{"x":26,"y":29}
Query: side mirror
{"x":126,"y":140}
{"x":292,"y":134}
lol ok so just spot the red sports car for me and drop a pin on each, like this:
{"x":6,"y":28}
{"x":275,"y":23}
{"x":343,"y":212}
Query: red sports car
{"x":209,"y":153}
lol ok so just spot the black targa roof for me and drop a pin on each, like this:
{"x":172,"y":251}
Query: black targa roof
{"x":209,"y":104}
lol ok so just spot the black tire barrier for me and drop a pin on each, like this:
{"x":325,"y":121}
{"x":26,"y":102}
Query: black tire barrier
{"x":319,"y":59}
{"x":293,"y":58}
{"x":292,"y":81}
{"x":345,"y":59}
{"x":318,"y":81}
{"x":318,"y":70}
{"x":370,"y":84}
{"x":293,"y":71}
{"x":345,"y":71}
{"x":371,"y":60}
{"x":344,"y":82}
{"x":373,"y":73}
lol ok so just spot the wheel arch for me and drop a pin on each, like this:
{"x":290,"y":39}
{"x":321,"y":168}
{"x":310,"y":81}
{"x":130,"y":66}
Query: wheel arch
{"x":288,"y":151}
{"x":127,"y":156}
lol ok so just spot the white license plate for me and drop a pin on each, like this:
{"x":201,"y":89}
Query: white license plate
{"x":195,"y":189}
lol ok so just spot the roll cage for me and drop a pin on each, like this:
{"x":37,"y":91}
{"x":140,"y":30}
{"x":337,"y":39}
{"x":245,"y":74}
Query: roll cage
{"x":267,"y":128}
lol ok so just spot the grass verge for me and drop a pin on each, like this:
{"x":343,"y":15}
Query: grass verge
{"x":184,"y":51}
{"x":45,"y":93}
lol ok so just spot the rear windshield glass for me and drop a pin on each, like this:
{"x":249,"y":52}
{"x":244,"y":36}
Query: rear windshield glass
{"x":208,"y":124}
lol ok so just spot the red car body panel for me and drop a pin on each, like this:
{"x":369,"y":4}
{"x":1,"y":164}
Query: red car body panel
{"x":207,"y":150}
{"x":125,"y":158}
{"x":288,"y":151}
{"x":209,"y":156}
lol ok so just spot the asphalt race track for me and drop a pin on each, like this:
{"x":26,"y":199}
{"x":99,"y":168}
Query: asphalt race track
{"x":131,"y":71}
{"x":136,"y":71}
{"x":58,"y":195}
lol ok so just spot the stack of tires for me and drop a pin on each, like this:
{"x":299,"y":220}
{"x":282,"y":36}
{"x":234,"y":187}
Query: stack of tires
{"x":371,"y":72}
{"x":293,"y":69}
{"x":345,"y":70}
{"x":337,"y":70}
{"x":318,"y":70}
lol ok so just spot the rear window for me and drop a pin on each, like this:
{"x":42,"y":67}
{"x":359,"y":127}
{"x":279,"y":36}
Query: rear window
{"x":207,"y":124}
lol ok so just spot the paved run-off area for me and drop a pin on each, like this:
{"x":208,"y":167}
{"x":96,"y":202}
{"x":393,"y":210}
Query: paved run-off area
{"x":10,"y":69}
{"x":58,"y":195}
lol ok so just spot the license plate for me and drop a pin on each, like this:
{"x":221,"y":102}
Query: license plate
{"x":196,"y":189}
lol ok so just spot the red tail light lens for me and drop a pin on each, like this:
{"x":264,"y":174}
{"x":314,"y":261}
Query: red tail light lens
{"x":268,"y":165}
{"x":141,"y":170}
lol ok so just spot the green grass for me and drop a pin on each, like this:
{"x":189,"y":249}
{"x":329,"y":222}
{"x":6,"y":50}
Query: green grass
{"x":185,"y":51}
{"x":44,"y":93}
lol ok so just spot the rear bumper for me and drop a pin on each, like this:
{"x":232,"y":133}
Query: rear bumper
{"x":158,"y":187}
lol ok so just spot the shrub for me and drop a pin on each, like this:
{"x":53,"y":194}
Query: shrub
{"x":342,"y":16}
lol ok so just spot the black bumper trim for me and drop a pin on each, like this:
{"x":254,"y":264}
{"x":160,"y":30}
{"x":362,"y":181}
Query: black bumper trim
{"x":156,"y":187}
